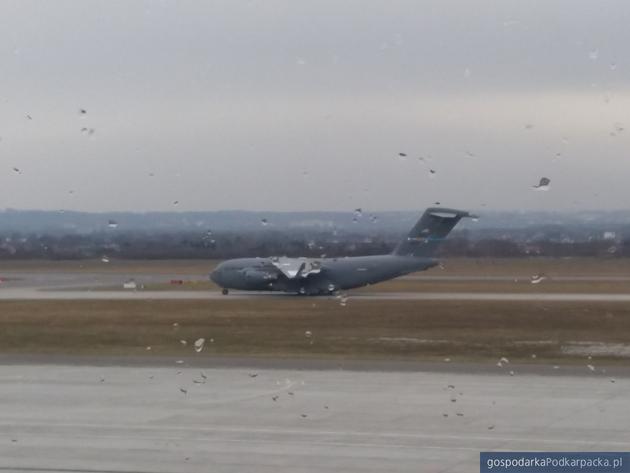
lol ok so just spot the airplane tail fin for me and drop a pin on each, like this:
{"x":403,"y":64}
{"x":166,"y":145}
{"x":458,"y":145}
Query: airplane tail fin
{"x":432,"y":228}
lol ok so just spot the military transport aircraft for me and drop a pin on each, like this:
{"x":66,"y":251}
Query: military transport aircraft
{"x":314,"y":276}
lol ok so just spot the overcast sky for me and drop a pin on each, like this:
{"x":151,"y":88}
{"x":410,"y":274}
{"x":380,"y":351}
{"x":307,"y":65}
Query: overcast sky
{"x":296,"y":105}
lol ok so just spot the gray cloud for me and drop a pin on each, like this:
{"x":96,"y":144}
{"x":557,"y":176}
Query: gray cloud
{"x":294,"y":105}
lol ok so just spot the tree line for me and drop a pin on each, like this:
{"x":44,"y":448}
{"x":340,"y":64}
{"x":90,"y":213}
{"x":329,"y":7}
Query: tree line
{"x":206,"y":245}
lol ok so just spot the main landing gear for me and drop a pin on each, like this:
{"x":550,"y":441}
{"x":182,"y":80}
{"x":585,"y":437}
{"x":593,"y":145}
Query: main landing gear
{"x":225,"y":291}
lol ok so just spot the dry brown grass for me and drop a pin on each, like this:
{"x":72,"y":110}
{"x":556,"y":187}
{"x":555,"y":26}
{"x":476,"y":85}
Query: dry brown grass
{"x":521,"y":286}
{"x":201,"y":267}
{"x":277,"y":327}
{"x":526,"y":267}
{"x":376,"y":328}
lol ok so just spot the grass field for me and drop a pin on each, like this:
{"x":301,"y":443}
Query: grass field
{"x":423,"y":330}
{"x":427,"y":330}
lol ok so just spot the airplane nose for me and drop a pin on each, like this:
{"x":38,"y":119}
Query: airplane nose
{"x":214,"y":277}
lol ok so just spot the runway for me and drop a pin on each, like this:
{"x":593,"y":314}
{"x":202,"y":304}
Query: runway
{"x":98,"y":286}
{"x":183,"y":419}
{"x":47,"y":294}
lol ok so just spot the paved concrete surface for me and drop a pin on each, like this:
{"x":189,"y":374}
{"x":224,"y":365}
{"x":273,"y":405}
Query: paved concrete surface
{"x":76,"y":286}
{"x":139,"y":419}
{"x":39,"y":294}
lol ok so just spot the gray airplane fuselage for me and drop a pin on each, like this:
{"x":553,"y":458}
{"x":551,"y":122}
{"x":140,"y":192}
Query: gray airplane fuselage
{"x":327,"y":275}
{"x":261,"y":274}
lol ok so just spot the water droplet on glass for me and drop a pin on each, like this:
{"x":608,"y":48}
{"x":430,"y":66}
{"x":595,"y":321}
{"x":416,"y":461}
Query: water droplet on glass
{"x":82,"y":111}
{"x":613,"y":66}
{"x":300,"y":61}
{"x":183,"y":390}
{"x":590,"y":367}
{"x":17,"y":171}
{"x":112,"y":224}
{"x":358,"y":213}
{"x":176,"y":202}
{"x":105,"y":259}
{"x":543,"y":185}
{"x":308,"y":334}
{"x":593,"y":54}
{"x":199,"y":343}
{"x":537,"y":278}
{"x":529,"y":126}
{"x":264,"y":222}
{"x":331,"y":287}
{"x":467,"y":73}
{"x":183,"y":342}
{"x":432,"y":173}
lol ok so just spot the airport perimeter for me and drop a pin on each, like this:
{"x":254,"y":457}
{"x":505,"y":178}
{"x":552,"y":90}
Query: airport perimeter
{"x":97,"y":378}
